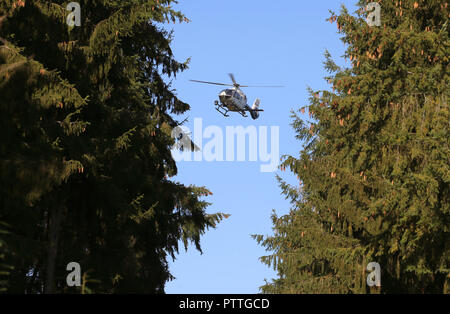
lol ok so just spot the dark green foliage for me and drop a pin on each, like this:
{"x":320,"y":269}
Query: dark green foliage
{"x":85,"y":160}
{"x":5,"y":269}
{"x":374,"y":171}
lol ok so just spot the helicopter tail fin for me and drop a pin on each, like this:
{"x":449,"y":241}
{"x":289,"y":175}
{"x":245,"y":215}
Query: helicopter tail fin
{"x":254,"y":112}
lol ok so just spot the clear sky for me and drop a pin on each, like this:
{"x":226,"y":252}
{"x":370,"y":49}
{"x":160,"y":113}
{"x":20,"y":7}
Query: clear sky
{"x":263,"y":43}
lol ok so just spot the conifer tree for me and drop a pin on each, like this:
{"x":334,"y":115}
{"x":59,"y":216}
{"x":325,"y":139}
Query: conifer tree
{"x":4,"y":268}
{"x":85,"y":160}
{"x":374,"y":170}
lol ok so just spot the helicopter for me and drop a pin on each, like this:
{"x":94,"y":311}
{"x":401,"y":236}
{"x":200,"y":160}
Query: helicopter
{"x":234,"y":99}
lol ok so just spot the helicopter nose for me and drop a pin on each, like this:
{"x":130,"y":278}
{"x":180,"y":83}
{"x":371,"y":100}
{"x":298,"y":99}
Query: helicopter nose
{"x":224,"y":98}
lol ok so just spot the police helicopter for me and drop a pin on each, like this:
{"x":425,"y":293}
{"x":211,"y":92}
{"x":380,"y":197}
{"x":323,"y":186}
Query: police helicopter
{"x":234,"y":99}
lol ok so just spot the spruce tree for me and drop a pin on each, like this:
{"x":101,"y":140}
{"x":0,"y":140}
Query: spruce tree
{"x":85,"y":160}
{"x":374,"y":169}
{"x":4,"y":268}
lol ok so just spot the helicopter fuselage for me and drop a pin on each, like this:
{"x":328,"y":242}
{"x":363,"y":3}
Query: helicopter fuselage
{"x":233,"y":99}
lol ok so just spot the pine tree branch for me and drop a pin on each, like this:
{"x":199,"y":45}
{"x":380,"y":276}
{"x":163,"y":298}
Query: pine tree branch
{"x":12,"y":66}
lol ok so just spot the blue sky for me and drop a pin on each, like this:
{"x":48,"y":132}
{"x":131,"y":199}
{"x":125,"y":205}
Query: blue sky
{"x":263,"y":43}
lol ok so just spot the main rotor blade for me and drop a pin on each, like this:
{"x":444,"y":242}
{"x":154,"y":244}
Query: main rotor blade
{"x":275,"y":86}
{"x":232,"y":79}
{"x":214,"y":83}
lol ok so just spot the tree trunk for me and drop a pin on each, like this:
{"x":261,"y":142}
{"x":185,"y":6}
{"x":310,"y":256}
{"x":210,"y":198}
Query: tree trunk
{"x":56,"y":216}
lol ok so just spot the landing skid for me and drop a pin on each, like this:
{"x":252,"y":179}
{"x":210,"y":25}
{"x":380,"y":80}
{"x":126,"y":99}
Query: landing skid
{"x":243,"y":114}
{"x":222,"y":109}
